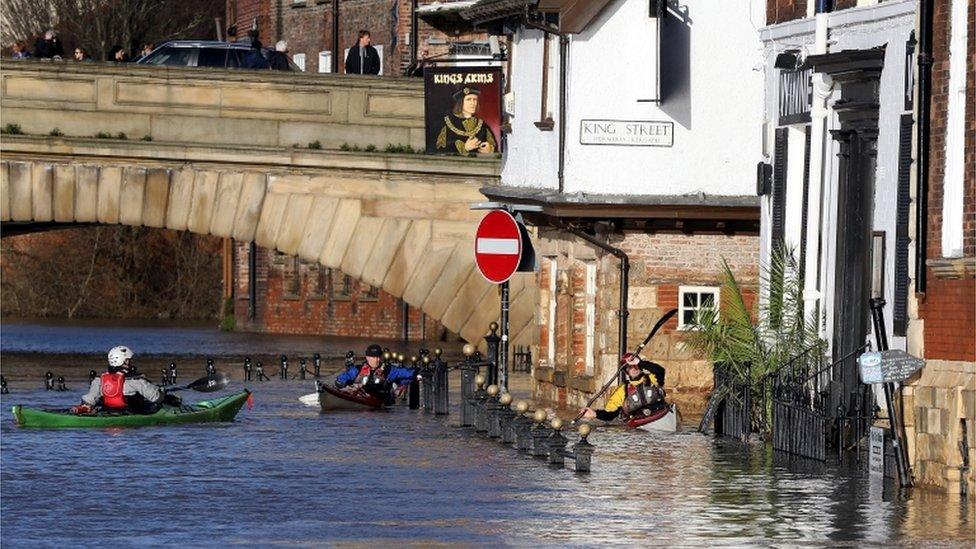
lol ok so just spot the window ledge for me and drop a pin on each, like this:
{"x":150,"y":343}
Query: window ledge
{"x":545,"y":125}
{"x":952,"y":268}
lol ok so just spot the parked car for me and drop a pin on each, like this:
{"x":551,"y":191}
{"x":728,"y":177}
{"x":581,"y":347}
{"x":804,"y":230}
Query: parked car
{"x":204,"y":53}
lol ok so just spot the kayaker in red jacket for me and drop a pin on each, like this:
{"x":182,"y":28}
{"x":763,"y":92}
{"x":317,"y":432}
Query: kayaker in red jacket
{"x":121,"y":388}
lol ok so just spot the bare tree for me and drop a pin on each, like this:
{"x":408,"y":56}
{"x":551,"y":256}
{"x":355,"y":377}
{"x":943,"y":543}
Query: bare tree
{"x":98,"y":25}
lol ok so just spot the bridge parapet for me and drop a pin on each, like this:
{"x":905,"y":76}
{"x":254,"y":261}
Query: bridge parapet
{"x":213,"y":107}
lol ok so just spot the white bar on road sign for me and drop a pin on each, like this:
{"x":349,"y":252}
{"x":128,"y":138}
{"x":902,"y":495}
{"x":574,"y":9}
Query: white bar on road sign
{"x":500,"y":246}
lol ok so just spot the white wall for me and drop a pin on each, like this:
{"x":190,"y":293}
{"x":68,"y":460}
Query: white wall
{"x":717,"y":115}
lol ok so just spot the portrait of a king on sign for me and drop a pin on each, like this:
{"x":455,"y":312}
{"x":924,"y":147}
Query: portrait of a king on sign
{"x":463,"y":110}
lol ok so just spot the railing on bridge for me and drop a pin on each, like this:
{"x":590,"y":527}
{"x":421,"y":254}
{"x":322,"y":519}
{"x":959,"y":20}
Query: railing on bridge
{"x":213,"y":106}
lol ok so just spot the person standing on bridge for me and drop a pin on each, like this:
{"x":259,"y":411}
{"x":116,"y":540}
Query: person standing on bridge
{"x":363,"y":57}
{"x":279,"y":58}
{"x":121,"y":388}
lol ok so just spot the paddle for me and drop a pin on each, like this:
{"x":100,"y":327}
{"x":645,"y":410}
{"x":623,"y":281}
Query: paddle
{"x":660,"y":322}
{"x":206,"y":384}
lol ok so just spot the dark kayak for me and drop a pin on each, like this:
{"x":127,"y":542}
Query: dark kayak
{"x":217,"y":409}
{"x":332,"y":399}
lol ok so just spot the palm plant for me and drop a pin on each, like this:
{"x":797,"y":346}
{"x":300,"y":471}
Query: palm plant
{"x":750,"y":343}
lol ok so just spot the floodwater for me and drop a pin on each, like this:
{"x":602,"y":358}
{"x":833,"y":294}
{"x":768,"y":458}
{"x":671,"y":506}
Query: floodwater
{"x":286,"y":474}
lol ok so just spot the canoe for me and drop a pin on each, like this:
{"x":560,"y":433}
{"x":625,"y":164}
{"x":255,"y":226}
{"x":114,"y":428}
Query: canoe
{"x":332,"y":399}
{"x":665,"y":419}
{"x":217,"y":409}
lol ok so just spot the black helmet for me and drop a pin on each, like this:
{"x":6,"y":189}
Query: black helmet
{"x":374,"y":350}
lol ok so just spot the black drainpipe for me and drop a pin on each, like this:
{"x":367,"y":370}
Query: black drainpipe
{"x":624,"y":282}
{"x":922,"y":143}
{"x":335,"y":36}
{"x":414,"y":31}
{"x":563,"y":55}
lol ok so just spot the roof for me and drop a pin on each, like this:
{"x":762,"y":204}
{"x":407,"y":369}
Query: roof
{"x":584,"y":205}
{"x":490,"y":10}
{"x":444,"y":7}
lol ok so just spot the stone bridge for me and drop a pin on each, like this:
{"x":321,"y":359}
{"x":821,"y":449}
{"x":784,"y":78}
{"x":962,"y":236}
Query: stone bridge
{"x":226,"y":153}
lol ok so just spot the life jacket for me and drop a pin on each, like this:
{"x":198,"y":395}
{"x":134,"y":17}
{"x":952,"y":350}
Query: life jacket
{"x":113,"y":384}
{"x":641,"y":396}
{"x":367,"y":375}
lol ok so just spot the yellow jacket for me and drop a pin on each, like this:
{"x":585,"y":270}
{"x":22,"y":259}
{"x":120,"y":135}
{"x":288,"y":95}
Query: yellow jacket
{"x":616,"y":399}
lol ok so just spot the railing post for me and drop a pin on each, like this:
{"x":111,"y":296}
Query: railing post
{"x":247,"y":368}
{"x":539,"y":434}
{"x":481,"y":405}
{"x":413,"y":390}
{"x":522,"y":427}
{"x":492,"y":340}
{"x":492,"y":408}
{"x":556,"y":443}
{"x":317,"y":364}
{"x":583,"y":450}
{"x":469,"y":372}
{"x":441,"y":385}
{"x":505,"y":417}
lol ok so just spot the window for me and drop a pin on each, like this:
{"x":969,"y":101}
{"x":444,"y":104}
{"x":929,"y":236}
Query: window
{"x":549,"y":83}
{"x":590,"y":317}
{"x":316,"y":280}
{"x":340,"y":285}
{"x":368,"y":293}
{"x":299,"y":59}
{"x":691,"y":300}
{"x":325,"y":61}
{"x":213,"y":57}
{"x":173,"y":57}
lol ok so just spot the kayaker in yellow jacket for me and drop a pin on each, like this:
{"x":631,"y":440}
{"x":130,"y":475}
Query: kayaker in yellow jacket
{"x":643,"y":387}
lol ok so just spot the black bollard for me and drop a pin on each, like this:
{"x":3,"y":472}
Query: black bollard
{"x":317,"y":364}
{"x":3,"y":386}
{"x":476,"y":403}
{"x":247,"y":368}
{"x":283,"y":372}
{"x":492,"y":408}
{"x":163,"y":377}
{"x":172,"y":373}
{"x":61,"y":385}
{"x":505,"y":418}
{"x":260,"y":371}
{"x":556,"y":444}
{"x":413,"y":394}
{"x":425,"y":380}
{"x":49,"y":381}
{"x":469,"y":371}
{"x":442,"y":402}
{"x":583,"y":450}
{"x":302,"y":369}
{"x":91,"y":375}
{"x":211,"y":369}
{"x":539,"y":434}
{"x":522,"y":426}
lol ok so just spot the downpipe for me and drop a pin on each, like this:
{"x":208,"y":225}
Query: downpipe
{"x":922,"y":143}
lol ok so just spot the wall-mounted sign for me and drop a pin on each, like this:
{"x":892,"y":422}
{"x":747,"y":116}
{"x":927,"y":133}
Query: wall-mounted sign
{"x":632,"y":133}
{"x":888,"y":366}
{"x":463,"y":110}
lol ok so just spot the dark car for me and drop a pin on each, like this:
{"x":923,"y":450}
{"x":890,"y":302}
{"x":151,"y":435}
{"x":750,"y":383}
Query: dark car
{"x":204,"y":53}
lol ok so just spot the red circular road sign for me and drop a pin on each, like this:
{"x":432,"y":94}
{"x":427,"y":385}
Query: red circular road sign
{"x":498,"y":246}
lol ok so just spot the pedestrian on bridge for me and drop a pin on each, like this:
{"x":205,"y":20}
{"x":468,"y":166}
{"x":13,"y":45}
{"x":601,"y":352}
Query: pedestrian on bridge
{"x":363,"y":57}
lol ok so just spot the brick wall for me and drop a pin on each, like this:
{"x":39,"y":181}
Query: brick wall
{"x":298,"y":297}
{"x":660,"y":265}
{"x":780,"y":11}
{"x":307,"y":26}
{"x":948,"y":305}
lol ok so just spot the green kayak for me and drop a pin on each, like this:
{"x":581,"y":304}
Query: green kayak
{"x":217,"y":409}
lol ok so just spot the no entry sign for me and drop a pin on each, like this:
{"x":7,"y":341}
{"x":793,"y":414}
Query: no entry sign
{"x":498,"y":246}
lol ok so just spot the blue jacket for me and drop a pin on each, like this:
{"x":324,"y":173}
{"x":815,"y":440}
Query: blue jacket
{"x":399,"y":376}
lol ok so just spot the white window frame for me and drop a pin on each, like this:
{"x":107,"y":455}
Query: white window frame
{"x":590,"y":302}
{"x":325,"y":61}
{"x":551,"y":326}
{"x":682,"y":308}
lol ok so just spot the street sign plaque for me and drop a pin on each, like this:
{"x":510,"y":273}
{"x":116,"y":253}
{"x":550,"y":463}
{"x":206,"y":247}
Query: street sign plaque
{"x":498,"y":246}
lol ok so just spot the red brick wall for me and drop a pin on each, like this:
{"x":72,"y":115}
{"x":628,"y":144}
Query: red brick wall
{"x":780,"y":11}
{"x":316,"y":310}
{"x":308,"y":28}
{"x":948,"y":304}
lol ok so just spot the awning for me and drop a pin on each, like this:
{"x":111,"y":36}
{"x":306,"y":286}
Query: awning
{"x":445,"y":12}
{"x":574,"y":15}
{"x":665,"y":212}
{"x":485,"y":11}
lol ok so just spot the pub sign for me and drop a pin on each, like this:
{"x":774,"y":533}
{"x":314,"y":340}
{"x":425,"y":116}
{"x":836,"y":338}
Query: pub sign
{"x":463,"y":110}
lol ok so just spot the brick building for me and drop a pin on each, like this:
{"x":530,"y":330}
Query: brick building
{"x":308,"y":26}
{"x":279,"y":293}
{"x":603,"y":160}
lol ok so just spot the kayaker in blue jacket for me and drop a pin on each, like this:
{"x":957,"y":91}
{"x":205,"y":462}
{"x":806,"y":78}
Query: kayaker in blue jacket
{"x":372,"y":376}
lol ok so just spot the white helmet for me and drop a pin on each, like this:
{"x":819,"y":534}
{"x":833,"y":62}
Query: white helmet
{"x":118,"y":355}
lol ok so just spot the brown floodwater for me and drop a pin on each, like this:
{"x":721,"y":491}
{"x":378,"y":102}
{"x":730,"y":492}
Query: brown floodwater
{"x":285,"y":474}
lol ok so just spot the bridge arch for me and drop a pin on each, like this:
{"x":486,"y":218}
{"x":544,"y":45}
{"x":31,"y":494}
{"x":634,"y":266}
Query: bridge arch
{"x":407,"y":231}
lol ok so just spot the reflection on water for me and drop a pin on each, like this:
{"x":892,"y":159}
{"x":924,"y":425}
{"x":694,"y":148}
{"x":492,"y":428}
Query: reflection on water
{"x":160,"y":338}
{"x":284,"y":473}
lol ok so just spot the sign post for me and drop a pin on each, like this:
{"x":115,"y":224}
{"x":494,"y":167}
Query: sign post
{"x":502,"y":248}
